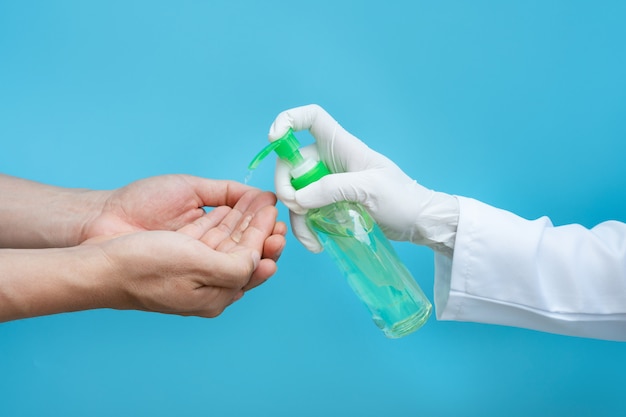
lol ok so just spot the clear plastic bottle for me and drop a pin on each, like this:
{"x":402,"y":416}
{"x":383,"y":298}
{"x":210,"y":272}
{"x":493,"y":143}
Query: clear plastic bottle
{"x":359,"y":248}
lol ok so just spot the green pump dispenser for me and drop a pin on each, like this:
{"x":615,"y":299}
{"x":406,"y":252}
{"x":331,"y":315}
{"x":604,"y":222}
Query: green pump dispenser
{"x":288,"y":149}
{"x":359,"y":248}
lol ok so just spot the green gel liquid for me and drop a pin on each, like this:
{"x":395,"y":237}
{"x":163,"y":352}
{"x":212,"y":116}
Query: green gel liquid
{"x":370,"y":264}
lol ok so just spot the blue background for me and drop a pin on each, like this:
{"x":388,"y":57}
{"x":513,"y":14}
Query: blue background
{"x":520,"y":104}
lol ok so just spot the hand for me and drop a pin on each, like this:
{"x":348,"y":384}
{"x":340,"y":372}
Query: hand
{"x":404,"y":209}
{"x":169,"y":202}
{"x":197,"y":270}
{"x":166,"y":202}
{"x":232,"y":224}
{"x":200,"y":269}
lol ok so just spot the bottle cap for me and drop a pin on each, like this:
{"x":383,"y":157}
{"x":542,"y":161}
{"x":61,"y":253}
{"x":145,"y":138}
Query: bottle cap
{"x":303,"y":171}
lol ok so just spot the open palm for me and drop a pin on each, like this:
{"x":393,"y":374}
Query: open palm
{"x":166,"y":202}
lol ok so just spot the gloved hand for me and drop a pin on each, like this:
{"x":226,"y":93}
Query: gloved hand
{"x":403,"y":209}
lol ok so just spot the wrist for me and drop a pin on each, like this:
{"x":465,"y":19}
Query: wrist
{"x":74,"y":210}
{"x":437,"y":223}
{"x":35,"y":215}
{"x":89,"y":204}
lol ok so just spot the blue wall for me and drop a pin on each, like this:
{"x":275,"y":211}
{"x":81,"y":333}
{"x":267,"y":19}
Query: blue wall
{"x":520,"y":104}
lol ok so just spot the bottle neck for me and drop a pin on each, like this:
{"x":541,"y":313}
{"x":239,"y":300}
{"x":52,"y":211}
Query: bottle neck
{"x":309,"y":172}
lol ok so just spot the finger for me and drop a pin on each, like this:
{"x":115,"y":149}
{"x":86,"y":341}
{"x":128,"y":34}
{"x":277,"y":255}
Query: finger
{"x":282,"y":180}
{"x":336,"y":146}
{"x":213,"y":193}
{"x":273,"y":247}
{"x":262,"y":273}
{"x":230,"y":231}
{"x":347,"y":186}
{"x":311,"y":117}
{"x":261,"y":199}
{"x":252,"y":231}
{"x":244,"y":208}
{"x":208,"y":221}
{"x":302,"y":232}
{"x":255,"y":200}
{"x":229,"y":270}
{"x":280,"y":228}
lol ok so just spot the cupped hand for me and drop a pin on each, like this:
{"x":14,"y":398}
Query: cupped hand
{"x":202,"y":267}
{"x":223,"y":229}
{"x":166,"y":202}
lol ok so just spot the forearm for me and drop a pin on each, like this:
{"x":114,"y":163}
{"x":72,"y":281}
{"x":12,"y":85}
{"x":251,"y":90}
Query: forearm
{"x":37,"y":282}
{"x":34,"y":215}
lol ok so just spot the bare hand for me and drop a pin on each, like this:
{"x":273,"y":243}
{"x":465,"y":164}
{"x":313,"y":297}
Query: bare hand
{"x":166,"y":202}
{"x":201,"y":268}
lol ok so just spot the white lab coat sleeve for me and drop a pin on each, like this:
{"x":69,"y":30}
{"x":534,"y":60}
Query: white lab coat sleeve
{"x":511,"y":271}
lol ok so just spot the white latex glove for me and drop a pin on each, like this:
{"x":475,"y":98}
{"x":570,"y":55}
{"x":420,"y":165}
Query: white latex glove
{"x":403,"y":209}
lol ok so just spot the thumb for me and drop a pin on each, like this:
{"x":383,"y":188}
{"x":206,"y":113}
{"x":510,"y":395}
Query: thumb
{"x":241,"y":264}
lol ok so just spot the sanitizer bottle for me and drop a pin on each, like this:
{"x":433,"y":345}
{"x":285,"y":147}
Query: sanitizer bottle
{"x":359,"y":248}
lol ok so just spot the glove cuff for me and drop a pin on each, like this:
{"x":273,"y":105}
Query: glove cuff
{"x":437,"y":223}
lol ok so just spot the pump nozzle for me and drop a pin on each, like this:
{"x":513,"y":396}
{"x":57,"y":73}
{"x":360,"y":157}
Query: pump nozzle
{"x":304,"y":171}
